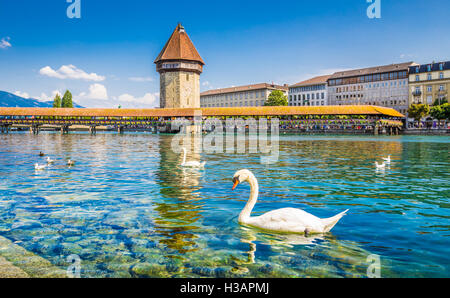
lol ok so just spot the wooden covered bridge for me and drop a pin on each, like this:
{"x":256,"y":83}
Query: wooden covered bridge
{"x":377,"y":119}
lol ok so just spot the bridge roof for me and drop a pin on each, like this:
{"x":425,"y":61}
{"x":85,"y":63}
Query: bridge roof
{"x":239,"y":111}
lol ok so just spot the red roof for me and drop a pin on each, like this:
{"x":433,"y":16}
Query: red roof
{"x":244,"y":88}
{"x":179,"y":47}
{"x":314,"y":81}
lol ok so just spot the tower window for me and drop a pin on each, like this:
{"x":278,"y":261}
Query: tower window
{"x":187,"y":77}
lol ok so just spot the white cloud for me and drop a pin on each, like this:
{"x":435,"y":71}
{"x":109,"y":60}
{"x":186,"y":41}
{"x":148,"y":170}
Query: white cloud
{"x":96,"y":91}
{"x":4,"y":43}
{"x":70,"y":72}
{"x":406,"y":56}
{"x":141,"y":79}
{"x":22,"y":94}
{"x":147,"y":99}
{"x":45,"y":97}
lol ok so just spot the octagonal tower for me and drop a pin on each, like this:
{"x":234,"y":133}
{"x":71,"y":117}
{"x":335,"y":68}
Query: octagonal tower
{"x":179,"y":66}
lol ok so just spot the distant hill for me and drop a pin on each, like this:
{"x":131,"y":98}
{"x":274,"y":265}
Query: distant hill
{"x":12,"y":101}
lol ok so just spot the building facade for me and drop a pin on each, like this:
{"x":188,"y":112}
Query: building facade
{"x":312,"y":92}
{"x":381,"y":86}
{"x":179,"y":66}
{"x":242,"y":96}
{"x":429,"y":83}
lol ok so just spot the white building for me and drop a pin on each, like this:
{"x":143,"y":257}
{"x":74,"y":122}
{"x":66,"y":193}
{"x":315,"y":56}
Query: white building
{"x":381,"y":86}
{"x":312,"y":92}
{"x":241,"y":96}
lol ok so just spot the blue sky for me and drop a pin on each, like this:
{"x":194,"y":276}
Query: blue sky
{"x":106,"y":57}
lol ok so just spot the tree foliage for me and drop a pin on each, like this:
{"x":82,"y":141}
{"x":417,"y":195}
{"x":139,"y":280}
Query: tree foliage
{"x":441,"y":112}
{"x":67,"y":100}
{"x":441,"y":101}
{"x":418,"y":111}
{"x":57,"y":101}
{"x":276,"y":98}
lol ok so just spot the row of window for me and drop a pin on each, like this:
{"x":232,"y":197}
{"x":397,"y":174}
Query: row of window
{"x":430,"y":77}
{"x":393,"y":102}
{"x":256,"y":103}
{"x":430,"y":88}
{"x":308,"y":88}
{"x":395,"y":84}
{"x":306,"y":103}
{"x":307,"y":96}
{"x":370,"y":78}
{"x":429,"y":67}
{"x":234,"y":96}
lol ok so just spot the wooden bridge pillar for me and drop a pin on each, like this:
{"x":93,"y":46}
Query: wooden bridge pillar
{"x":34,"y":129}
{"x":65,"y":129}
{"x":93,"y":130}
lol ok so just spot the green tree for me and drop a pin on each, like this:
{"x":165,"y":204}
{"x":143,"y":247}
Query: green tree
{"x":440,"y":113}
{"x":446,"y":110}
{"x":276,"y":98}
{"x":437,"y":112}
{"x":67,"y":100}
{"x":441,"y":101}
{"x":57,"y":101}
{"x":418,"y":111}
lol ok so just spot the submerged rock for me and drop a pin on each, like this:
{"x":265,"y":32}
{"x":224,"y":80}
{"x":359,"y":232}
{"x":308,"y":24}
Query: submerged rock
{"x":203,"y":271}
{"x":150,"y":270}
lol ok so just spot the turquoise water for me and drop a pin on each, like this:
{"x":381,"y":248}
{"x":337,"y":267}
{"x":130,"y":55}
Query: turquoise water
{"x":128,"y":210}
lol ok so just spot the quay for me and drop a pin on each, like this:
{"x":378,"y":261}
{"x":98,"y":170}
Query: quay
{"x":357,"y":118}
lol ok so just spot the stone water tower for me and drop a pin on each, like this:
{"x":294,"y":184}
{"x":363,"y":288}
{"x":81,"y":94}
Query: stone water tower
{"x":179,"y":66}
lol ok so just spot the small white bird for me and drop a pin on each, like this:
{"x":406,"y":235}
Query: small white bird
{"x":70,"y":163}
{"x":387,"y":159}
{"x":49,"y":160}
{"x":379,"y":167}
{"x":192,"y":164}
{"x":39,"y":167}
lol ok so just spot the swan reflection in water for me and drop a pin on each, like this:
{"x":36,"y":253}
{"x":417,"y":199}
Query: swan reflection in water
{"x":275,"y":241}
{"x":316,"y":255}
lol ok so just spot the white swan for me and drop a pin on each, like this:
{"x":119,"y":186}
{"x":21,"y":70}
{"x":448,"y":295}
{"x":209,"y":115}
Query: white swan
{"x":282,"y":220}
{"x":38,"y":167}
{"x":380,"y":167}
{"x":193,"y":164}
{"x":387,"y":159}
{"x":49,"y":160}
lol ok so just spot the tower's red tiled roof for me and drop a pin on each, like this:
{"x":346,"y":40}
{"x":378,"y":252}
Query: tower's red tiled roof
{"x":179,"y":47}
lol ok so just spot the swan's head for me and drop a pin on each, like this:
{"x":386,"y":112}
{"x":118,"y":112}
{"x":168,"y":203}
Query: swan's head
{"x":241,"y":176}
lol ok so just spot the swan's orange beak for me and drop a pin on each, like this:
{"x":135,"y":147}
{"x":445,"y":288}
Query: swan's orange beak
{"x":236,"y":183}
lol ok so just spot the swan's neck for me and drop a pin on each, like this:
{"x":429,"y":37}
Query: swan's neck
{"x":254,"y":190}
